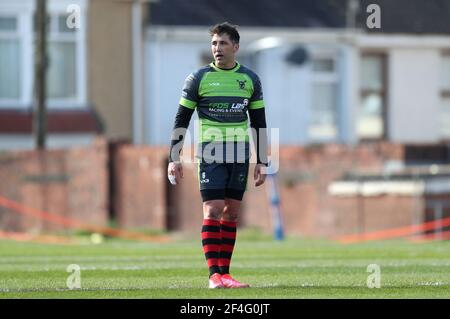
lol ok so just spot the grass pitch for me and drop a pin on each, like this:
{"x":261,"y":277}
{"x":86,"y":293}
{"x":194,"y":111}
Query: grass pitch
{"x":293,"y":268}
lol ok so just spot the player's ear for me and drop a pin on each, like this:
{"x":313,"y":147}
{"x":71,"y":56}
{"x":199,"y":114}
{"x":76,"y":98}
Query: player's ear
{"x":236,"y":47}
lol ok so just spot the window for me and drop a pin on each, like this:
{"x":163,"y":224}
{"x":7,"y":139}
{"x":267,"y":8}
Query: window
{"x":445,"y":96}
{"x":62,"y":69}
{"x":66,"y":73}
{"x":10,"y":74}
{"x":323,"y":121}
{"x":370,"y":117}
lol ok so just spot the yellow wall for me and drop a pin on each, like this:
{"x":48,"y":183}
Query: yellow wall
{"x":110,"y":65}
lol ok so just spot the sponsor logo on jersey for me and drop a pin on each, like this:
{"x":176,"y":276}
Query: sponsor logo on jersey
{"x":240,"y":106}
{"x":219,"y":105}
{"x":204,"y":180}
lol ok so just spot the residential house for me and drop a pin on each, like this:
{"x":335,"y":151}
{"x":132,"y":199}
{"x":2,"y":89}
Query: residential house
{"x":93,"y":71}
{"x":326,"y":75}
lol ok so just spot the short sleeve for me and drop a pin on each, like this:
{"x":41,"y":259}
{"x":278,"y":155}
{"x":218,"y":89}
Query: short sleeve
{"x":257,"y":100}
{"x":189,"y":95}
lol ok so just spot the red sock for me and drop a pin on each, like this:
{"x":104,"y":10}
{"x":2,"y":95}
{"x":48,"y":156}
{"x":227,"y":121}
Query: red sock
{"x":211,"y":244}
{"x":228,"y":235}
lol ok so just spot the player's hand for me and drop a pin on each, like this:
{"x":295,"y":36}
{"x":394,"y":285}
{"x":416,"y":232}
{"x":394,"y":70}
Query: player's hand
{"x":258,"y":175}
{"x":175,"y":172}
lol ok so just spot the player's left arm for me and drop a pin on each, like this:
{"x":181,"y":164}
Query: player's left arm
{"x":258,"y":124}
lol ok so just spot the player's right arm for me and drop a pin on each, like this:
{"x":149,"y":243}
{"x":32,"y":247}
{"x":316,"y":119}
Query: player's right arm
{"x":188,"y":102}
{"x":182,"y":119}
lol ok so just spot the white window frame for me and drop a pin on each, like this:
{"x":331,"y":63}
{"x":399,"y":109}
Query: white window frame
{"x":444,"y":94}
{"x":56,"y":8}
{"x":325,"y":78}
{"x":13,"y":35}
{"x":383,"y":56}
{"x":24,"y":11}
{"x":21,"y":10}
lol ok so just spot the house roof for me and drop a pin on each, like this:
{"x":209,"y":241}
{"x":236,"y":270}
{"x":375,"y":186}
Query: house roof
{"x":410,"y":16}
{"x":399,"y":16}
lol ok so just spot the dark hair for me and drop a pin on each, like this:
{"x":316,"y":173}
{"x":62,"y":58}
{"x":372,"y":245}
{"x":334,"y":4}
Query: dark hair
{"x":227,"y":28}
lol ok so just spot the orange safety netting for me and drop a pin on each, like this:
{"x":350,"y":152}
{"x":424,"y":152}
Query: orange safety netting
{"x":396,"y":232}
{"x":75,"y":224}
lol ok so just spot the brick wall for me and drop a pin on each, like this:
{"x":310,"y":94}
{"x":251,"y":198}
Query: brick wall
{"x":184,"y":202}
{"x":74,"y":183}
{"x":315,"y":168}
{"x":140,"y":190}
{"x":366,"y":214}
{"x":70,"y":183}
{"x":303,"y":180}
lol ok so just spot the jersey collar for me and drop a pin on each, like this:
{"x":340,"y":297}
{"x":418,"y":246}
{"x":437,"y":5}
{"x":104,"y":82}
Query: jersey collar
{"x":236,"y":67}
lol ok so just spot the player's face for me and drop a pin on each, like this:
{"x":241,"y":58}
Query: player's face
{"x":224,"y":50}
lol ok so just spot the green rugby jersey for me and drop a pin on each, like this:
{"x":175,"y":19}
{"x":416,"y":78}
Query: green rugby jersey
{"x":222,"y":98}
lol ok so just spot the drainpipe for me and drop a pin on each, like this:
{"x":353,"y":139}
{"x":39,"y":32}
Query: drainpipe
{"x":351,"y":13}
{"x":137,"y":49}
